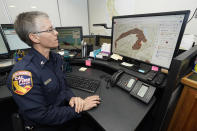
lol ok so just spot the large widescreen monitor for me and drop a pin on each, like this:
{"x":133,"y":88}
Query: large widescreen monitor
{"x":70,"y":38}
{"x":14,"y":42}
{"x":149,"y":38}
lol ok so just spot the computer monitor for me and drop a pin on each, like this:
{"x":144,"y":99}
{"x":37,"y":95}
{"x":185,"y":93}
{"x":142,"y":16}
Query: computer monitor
{"x":96,"y":40}
{"x":70,"y":38}
{"x":14,"y":42}
{"x":3,"y":45}
{"x":103,"y":39}
{"x":149,"y":38}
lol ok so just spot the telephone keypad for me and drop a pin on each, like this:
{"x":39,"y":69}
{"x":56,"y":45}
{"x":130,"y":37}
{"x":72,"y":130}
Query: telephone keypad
{"x":124,"y":80}
{"x":147,"y":94}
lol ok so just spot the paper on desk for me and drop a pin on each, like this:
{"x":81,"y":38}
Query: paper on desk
{"x":106,"y":48}
{"x":126,"y":64}
{"x":187,"y":42}
{"x":82,"y":69}
{"x":116,"y":57}
{"x":61,"y":52}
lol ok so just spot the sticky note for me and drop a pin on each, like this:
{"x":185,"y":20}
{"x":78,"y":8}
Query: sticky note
{"x":88,"y":62}
{"x":82,"y":69}
{"x":155,"y":68}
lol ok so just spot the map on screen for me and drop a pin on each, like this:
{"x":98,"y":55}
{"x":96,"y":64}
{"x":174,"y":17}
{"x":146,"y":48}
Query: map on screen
{"x":150,"y":39}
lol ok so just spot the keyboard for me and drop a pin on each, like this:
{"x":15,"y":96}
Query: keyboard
{"x":82,"y":83}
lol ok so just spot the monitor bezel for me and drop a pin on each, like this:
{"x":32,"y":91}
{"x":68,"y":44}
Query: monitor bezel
{"x":5,"y":42}
{"x":7,"y":25}
{"x":70,"y":27}
{"x":183,"y":12}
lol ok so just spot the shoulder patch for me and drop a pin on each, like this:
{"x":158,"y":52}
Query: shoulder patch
{"x":22,"y":82}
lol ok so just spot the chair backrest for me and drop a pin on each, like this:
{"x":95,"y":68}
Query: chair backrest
{"x":17,"y":122}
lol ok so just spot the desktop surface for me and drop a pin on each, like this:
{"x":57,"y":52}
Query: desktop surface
{"x":6,"y":65}
{"x":118,"y":110}
{"x":6,"y":62}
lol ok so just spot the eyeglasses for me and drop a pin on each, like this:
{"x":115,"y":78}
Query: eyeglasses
{"x":48,"y":31}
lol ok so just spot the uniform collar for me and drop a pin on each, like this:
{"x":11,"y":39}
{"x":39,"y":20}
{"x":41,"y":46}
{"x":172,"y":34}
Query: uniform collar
{"x":41,"y":60}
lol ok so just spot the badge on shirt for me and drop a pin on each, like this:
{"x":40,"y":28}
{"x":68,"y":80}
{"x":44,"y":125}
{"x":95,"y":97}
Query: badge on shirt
{"x":22,"y":82}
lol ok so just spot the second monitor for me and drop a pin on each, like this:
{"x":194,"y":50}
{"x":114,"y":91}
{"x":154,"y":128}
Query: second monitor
{"x":70,"y":38}
{"x":3,"y":45}
{"x":14,"y":42}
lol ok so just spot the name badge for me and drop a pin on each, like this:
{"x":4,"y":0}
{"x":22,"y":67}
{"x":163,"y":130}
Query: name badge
{"x":47,"y":81}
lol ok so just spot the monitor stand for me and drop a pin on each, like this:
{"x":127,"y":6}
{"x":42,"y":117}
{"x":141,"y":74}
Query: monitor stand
{"x":139,"y":67}
{"x":135,"y":67}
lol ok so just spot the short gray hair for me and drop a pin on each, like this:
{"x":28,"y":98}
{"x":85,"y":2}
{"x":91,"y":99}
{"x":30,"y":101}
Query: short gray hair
{"x":26,"y":23}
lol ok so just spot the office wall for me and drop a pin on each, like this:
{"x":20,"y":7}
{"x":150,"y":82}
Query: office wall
{"x":14,"y":7}
{"x":72,"y":12}
{"x":102,"y":11}
{"x":146,"y":6}
{"x":3,"y":14}
{"x":98,"y":11}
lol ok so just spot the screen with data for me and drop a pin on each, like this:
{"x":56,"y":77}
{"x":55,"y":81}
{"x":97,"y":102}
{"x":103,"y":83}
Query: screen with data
{"x":12,"y":38}
{"x":149,"y":38}
{"x":3,"y":48}
{"x":69,"y":37}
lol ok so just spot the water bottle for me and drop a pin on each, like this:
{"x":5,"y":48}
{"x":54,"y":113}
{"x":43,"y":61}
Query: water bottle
{"x":195,"y":66}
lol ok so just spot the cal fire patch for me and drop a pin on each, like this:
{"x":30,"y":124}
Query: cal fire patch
{"x":22,"y":82}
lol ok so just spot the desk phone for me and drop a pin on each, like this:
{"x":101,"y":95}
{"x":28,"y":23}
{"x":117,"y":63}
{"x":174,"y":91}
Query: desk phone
{"x":137,"y":88}
{"x":143,"y":91}
{"x":126,"y":82}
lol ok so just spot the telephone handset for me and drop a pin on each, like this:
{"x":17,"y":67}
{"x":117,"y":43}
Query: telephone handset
{"x":115,"y":77}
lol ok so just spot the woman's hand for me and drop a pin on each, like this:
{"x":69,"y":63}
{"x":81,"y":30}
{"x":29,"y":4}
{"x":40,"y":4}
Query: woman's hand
{"x":78,"y":103}
{"x":90,"y":102}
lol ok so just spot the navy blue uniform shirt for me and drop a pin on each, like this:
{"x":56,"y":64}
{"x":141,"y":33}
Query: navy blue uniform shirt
{"x":39,"y":90}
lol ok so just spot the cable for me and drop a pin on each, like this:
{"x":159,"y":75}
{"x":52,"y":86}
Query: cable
{"x":192,"y":16}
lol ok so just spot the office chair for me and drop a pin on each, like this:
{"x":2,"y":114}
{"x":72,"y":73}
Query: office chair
{"x":17,"y":122}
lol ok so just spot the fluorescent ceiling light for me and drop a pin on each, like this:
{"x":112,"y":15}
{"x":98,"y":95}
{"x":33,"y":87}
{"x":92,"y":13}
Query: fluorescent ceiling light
{"x":12,"y":6}
{"x":33,"y":7}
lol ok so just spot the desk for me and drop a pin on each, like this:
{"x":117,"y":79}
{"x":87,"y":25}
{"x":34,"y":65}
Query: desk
{"x":184,"y":117}
{"x":118,"y":110}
